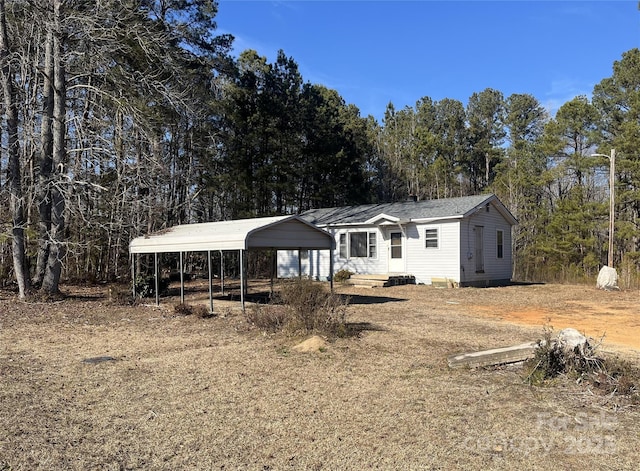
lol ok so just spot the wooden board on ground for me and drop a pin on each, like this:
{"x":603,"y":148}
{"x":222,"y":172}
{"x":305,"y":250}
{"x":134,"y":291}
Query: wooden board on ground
{"x":495,"y":356}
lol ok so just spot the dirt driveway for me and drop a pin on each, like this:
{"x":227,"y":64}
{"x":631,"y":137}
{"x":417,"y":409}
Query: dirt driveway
{"x":614,"y":314}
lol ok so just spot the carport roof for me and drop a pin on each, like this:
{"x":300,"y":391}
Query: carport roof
{"x":279,"y":232}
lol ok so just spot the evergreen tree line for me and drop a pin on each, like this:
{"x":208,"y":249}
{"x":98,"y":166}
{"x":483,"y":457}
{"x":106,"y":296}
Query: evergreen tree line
{"x":124,"y":117}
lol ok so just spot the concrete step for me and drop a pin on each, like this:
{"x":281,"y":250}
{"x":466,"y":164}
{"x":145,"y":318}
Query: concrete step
{"x":371,"y":276}
{"x":362,"y":280}
{"x":367,"y":284}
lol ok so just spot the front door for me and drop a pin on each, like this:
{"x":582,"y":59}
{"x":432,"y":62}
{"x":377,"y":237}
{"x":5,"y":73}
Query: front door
{"x":396,"y":252}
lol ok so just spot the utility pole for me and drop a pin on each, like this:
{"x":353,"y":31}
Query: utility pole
{"x":612,"y":201}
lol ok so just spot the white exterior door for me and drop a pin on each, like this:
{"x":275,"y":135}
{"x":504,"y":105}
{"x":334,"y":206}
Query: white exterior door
{"x":479,"y":249}
{"x":396,"y":252}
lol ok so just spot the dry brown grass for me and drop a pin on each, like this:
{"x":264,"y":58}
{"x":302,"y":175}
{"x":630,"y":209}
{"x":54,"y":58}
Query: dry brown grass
{"x":190,"y":393}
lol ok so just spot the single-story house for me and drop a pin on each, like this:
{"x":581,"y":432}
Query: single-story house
{"x":464,"y":241}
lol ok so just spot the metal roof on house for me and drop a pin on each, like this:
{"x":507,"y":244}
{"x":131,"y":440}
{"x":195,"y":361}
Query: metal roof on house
{"x":406,"y":211}
{"x":280,"y":232}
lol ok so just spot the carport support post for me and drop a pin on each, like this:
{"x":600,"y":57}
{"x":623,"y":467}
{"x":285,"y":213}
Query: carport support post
{"x":274,"y":268}
{"x":222,"y":273}
{"x":181,"y":280}
{"x":242,"y":278}
{"x":210,"y":282}
{"x":133,"y":275}
{"x":331,"y":269}
{"x":156,"y":275}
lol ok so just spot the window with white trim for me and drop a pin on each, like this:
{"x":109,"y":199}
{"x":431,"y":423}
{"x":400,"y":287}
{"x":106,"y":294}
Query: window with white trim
{"x":431,"y":238}
{"x":358,"y":245}
{"x":500,"y":243}
{"x":343,"y":246}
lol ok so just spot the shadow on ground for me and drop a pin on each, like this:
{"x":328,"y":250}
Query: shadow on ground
{"x":266,"y":297}
{"x":525,"y":283}
{"x":354,"y":329}
{"x":359,"y":299}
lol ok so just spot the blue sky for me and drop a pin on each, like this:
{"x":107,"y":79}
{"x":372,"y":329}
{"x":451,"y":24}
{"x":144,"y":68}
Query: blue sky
{"x":376,"y":52}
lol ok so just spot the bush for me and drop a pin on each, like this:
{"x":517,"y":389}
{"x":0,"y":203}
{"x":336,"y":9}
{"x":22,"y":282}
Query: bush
{"x":551,"y":360}
{"x":312,"y":309}
{"x":145,"y":286}
{"x":269,"y":318}
{"x":618,"y":376}
{"x":609,"y":375}
{"x":342,"y":276}
{"x":302,"y":306}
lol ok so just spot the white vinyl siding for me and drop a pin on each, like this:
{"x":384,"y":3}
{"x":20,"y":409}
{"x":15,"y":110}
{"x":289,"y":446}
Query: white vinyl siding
{"x":426,"y":263}
{"x":317,"y":264}
{"x":371,"y":262}
{"x":314,"y":263}
{"x":493,"y":267}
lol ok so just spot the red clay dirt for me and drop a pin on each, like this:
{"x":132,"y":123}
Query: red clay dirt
{"x":611,"y":315}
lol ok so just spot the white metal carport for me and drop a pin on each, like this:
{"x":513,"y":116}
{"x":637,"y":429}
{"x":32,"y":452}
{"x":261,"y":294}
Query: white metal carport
{"x":278,"y":232}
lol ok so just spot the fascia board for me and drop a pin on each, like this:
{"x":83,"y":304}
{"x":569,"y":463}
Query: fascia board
{"x":442,"y":218}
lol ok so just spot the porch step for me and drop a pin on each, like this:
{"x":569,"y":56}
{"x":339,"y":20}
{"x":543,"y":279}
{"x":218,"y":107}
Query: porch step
{"x":380,"y":280}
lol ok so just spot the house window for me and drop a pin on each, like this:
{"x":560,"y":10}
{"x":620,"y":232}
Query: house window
{"x":500,"y":243}
{"x":396,"y":245}
{"x":343,"y":246}
{"x":362,"y":245}
{"x":373,"y":245}
{"x":358,"y":244}
{"x":431,"y":238}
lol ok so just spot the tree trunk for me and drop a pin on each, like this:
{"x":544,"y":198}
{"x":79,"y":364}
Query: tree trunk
{"x":14,"y":173}
{"x":44,"y":174}
{"x":50,"y":283}
{"x":487,"y":168}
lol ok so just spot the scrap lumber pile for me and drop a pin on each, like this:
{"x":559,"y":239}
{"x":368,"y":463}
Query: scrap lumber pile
{"x":568,"y":342}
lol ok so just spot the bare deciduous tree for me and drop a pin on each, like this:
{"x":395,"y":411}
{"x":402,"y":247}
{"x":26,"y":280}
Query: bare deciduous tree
{"x":17,"y":201}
